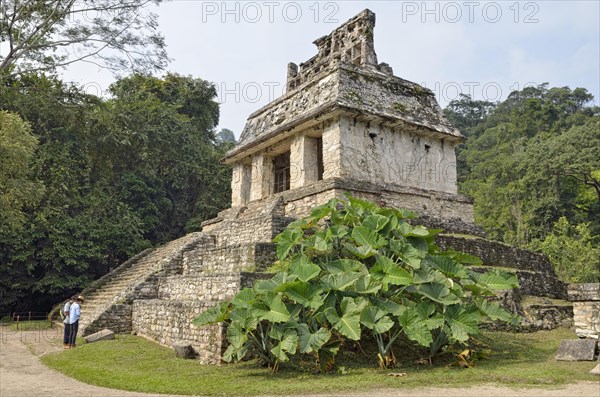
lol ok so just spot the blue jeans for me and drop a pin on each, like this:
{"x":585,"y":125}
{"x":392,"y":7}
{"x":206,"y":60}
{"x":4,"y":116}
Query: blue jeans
{"x":67,"y":337}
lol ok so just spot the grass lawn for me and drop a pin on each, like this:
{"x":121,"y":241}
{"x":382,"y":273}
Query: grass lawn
{"x":133,"y":363}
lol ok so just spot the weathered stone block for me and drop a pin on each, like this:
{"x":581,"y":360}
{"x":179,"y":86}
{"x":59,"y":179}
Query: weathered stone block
{"x":584,"y":292}
{"x":105,"y":334}
{"x":596,"y":371}
{"x":184,"y":350}
{"x":577,"y":350}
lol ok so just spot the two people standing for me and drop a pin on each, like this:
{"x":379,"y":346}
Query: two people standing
{"x":72,"y":312}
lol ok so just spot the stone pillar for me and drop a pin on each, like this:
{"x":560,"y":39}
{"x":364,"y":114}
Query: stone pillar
{"x":262,"y":170}
{"x":586,"y":309}
{"x":332,"y":149}
{"x":240,"y":184}
{"x":303,"y":161}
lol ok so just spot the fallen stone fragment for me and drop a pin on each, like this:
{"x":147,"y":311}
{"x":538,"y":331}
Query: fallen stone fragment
{"x":184,"y":350}
{"x":577,"y":350}
{"x":596,"y":371}
{"x":105,"y":334}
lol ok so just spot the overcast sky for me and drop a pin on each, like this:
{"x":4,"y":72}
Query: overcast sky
{"x":485,"y":48}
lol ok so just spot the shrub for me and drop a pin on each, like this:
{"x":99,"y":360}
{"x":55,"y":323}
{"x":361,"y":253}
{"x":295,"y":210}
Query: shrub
{"x":352,"y":268}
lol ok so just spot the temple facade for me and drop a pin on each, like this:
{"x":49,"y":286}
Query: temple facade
{"x":347,"y":124}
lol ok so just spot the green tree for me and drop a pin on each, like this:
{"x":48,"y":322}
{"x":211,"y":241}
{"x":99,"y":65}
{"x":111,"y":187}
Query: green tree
{"x":120,"y":175}
{"x":573,"y":251}
{"x":42,"y":35}
{"x":530,"y":161}
{"x":17,"y":189}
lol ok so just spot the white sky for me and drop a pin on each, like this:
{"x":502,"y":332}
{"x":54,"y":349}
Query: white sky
{"x":485,"y":48}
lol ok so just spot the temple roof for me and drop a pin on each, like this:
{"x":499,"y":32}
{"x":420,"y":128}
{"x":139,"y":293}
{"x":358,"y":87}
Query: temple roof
{"x":345,"y":77}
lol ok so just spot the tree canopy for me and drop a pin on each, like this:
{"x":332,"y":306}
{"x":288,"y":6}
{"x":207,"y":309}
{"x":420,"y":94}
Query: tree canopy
{"x":43,"y":35}
{"x":118,"y":175}
{"x":531,"y":160}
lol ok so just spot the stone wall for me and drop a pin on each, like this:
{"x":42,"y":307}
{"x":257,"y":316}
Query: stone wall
{"x":535,"y":272}
{"x":167,"y":321}
{"x":117,"y":318}
{"x":216,"y":287}
{"x":229,"y":258}
{"x":586,"y":309}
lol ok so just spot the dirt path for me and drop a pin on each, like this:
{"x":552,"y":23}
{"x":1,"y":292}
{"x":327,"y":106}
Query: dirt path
{"x":22,"y":375}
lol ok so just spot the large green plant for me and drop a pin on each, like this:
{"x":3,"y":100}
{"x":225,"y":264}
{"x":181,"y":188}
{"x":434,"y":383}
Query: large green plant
{"x":350,"y":269}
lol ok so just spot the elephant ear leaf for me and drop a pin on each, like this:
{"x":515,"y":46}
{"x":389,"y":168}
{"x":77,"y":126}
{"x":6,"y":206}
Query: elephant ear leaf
{"x":309,"y":342}
{"x":278,"y":312}
{"x":215,"y":314}
{"x":348,"y":324}
{"x":303,"y":269}
{"x":288,"y":343}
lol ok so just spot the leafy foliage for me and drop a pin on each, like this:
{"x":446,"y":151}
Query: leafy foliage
{"x":573,"y":251}
{"x":117,"y":176}
{"x":353,"y":269}
{"x":529,"y":161}
{"x":526,"y":165}
{"x":41,"y":36}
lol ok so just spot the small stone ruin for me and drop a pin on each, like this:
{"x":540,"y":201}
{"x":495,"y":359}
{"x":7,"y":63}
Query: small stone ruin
{"x":346,"y":124}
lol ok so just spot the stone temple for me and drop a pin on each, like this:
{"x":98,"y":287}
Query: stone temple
{"x":345,"y":124}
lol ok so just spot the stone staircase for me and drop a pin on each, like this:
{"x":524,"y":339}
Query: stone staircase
{"x":108,"y":300}
{"x":240,"y":250}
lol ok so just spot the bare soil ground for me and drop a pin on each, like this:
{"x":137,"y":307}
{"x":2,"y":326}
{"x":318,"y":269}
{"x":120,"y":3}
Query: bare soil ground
{"x":22,"y":375}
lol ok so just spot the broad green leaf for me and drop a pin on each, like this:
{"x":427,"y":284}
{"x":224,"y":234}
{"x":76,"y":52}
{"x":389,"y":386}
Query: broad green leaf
{"x":320,"y":244}
{"x":434,"y":323}
{"x":423,"y":275}
{"x":436,"y":292}
{"x":278,"y":312}
{"x":311,"y":342}
{"x":368,"y":238}
{"x":463,"y":258}
{"x":286,"y":241}
{"x":215,"y":314}
{"x":420,"y":245}
{"x":388,"y":306}
{"x":245,"y":317}
{"x":346,"y":265}
{"x":234,"y":354}
{"x":414,"y":327}
{"x":411,"y":256}
{"x":288,"y":344}
{"x":359,"y":304}
{"x":418,"y":231}
{"x":364,"y":285}
{"x":340,"y":281}
{"x":303,"y":269}
{"x":425,"y":309}
{"x":338,"y":231}
{"x":462,"y":324}
{"x":375,"y":222}
{"x":447,"y":266}
{"x":275,"y":284}
{"x":397,"y":276}
{"x":362,"y":252}
{"x":347,"y":325}
{"x":244,"y":298}
{"x":306,"y":294}
{"x":493,"y":310}
{"x":405,"y":228}
{"x":236,"y":336}
{"x":375,"y":319}
{"x":497,"y":281}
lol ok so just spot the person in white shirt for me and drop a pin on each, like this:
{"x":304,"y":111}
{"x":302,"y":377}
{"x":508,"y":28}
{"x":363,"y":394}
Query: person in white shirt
{"x":66,"y":311}
{"x":74,"y":315}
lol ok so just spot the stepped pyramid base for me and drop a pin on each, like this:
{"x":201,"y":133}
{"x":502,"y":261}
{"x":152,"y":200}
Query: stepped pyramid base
{"x":158,"y":293}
